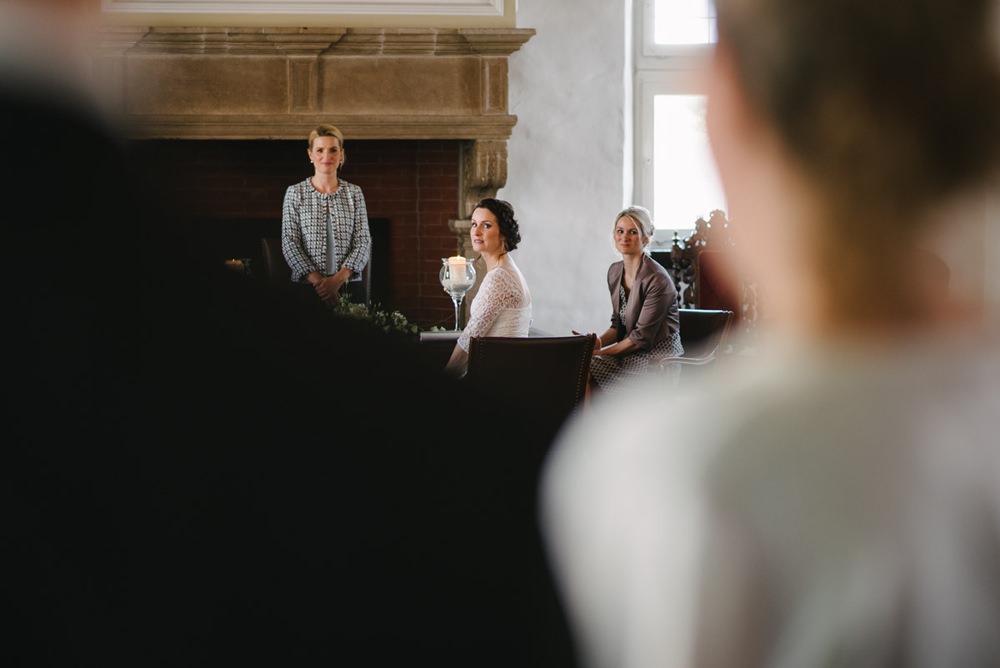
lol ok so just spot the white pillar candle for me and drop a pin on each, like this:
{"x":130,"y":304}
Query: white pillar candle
{"x":456,"y":265}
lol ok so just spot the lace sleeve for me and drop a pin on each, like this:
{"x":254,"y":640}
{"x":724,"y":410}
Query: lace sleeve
{"x":500,"y":290}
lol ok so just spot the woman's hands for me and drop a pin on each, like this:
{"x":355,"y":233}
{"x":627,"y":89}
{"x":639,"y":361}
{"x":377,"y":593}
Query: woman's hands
{"x":328,"y":287}
{"x":597,"y":344}
{"x":458,"y":363}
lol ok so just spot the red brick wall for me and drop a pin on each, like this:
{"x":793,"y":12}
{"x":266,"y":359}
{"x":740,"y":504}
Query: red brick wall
{"x":237,"y":188}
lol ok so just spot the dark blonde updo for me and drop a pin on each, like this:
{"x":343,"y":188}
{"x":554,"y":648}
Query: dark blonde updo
{"x":887,"y":106}
{"x":504,"y":212}
{"x":890,"y":111}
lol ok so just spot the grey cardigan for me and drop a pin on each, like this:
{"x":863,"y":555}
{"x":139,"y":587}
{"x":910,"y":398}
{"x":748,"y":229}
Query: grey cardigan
{"x":651,"y":314}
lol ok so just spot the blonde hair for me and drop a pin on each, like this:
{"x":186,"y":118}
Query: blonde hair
{"x":326,"y":131}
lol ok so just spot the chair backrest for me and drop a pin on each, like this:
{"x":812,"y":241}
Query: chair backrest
{"x":704,"y":331}
{"x":543,"y":378}
{"x":703,"y":334}
{"x":276,"y":270}
{"x":366,"y":277}
{"x":278,"y":274}
{"x":717,"y":288}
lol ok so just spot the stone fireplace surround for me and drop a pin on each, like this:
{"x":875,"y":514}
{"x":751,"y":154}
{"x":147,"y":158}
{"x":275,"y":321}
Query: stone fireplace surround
{"x":170,"y":85}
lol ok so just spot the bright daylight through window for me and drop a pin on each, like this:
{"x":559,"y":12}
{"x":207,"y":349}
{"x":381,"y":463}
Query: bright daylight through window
{"x":686,"y":186}
{"x":684,"y":22}
{"x":676,"y":175}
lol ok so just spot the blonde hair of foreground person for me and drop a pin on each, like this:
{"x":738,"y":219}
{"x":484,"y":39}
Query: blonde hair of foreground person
{"x":834,"y":498}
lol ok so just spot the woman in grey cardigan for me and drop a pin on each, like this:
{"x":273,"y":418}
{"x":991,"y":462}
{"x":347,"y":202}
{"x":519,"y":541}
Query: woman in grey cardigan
{"x":645,"y":323}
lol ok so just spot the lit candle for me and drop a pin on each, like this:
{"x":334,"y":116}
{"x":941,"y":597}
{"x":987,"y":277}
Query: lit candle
{"x":456,"y":265}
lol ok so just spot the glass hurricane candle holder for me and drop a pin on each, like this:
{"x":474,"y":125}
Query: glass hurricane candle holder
{"x":457,"y":277}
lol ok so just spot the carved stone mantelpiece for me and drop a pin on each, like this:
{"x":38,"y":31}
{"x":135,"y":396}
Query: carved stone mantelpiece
{"x":484,"y":171}
{"x":272,"y":83}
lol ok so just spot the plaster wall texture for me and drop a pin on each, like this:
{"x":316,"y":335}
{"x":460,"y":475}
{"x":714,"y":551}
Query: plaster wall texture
{"x":567,"y":157}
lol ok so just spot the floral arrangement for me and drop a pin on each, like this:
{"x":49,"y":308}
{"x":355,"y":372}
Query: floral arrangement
{"x":388,"y":321}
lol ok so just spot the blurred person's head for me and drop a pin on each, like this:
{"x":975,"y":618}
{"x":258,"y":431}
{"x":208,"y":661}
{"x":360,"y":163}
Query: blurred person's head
{"x":840,"y":127}
{"x":44,"y":43}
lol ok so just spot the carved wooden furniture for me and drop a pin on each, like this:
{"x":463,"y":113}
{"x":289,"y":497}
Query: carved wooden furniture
{"x":276,"y":272}
{"x":697,"y":265}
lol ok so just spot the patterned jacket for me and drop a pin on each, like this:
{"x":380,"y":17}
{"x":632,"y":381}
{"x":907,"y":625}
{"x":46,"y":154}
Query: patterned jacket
{"x":303,"y":229}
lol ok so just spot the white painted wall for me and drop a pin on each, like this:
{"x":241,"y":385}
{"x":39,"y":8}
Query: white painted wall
{"x":566,"y":156}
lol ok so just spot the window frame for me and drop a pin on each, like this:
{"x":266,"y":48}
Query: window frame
{"x":658,"y":69}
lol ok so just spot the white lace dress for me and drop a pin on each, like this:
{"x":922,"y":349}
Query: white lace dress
{"x":500,"y":308}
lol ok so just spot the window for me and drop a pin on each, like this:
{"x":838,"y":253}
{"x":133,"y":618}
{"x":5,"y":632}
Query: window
{"x":675,"y":173}
{"x":683,"y":22}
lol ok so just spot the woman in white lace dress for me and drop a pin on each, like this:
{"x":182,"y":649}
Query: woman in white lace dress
{"x":502,"y":306}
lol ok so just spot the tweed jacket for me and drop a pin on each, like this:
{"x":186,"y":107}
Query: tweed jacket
{"x":303,"y":229}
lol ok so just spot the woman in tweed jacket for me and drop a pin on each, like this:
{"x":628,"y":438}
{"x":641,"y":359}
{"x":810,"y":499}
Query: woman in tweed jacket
{"x":324,"y":224}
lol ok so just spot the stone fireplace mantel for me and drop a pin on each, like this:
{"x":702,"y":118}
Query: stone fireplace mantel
{"x":279,"y":83}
